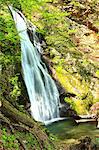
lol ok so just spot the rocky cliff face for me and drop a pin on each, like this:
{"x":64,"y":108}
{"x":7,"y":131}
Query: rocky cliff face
{"x":69,"y":43}
{"x":75,"y":64}
{"x":69,"y":38}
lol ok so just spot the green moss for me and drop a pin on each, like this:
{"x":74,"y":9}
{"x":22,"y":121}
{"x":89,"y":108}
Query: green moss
{"x":78,"y":105}
{"x":97,"y":73}
{"x":71,"y":83}
{"x":29,"y":140}
{"x":9,"y":140}
{"x":95,"y":100}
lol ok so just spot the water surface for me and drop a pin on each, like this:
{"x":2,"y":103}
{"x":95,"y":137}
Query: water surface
{"x":68,"y":129}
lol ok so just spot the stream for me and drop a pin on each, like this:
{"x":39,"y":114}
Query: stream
{"x":69,"y":130}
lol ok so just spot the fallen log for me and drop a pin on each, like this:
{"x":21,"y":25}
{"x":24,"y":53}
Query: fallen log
{"x":85,"y":120}
{"x":87,"y":116}
{"x":15,"y":116}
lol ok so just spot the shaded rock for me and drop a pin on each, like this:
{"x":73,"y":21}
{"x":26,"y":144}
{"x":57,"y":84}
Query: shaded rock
{"x":66,"y":111}
{"x":84,"y":144}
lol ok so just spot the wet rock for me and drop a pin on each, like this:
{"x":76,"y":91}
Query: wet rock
{"x":85,"y":144}
{"x":66,"y":111}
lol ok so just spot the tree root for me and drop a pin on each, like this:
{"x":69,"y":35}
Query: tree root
{"x":6,"y":121}
{"x":18,"y":120}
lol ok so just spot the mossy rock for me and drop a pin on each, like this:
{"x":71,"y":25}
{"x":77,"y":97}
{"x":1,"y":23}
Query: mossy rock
{"x":71,"y":83}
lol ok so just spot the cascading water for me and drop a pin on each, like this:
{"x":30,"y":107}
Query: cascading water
{"x":42,"y":91}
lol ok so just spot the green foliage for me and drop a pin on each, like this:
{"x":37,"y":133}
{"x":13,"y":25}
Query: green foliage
{"x":9,"y":140}
{"x":15,"y":3}
{"x":53,"y":137}
{"x":32,"y":143}
{"x":16,"y":87}
{"x":8,"y":35}
{"x":9,"y":54}
{"x":73,"y":69}
{"x":29,"y":140}
{"x":51,"y":22}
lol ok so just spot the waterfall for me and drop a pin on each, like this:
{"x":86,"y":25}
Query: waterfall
{"x":42,"y":91}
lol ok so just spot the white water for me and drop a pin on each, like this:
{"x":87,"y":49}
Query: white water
{"x":42,"y":91}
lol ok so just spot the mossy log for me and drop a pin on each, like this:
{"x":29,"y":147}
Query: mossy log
{"x":15,"y":116}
